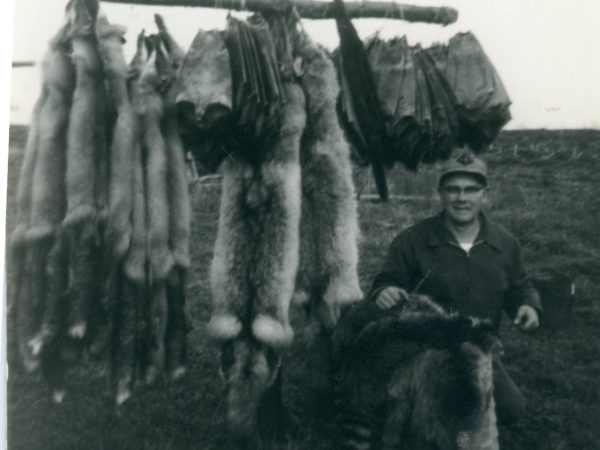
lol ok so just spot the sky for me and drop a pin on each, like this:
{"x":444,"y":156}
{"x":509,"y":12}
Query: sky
{"x":547,"y":52}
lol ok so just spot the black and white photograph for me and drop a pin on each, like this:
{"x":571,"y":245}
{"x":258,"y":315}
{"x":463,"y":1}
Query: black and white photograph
{"x":301,"y":225}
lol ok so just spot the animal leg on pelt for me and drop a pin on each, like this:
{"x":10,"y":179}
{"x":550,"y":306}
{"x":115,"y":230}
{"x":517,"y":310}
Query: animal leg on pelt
{"x":276,"y":255}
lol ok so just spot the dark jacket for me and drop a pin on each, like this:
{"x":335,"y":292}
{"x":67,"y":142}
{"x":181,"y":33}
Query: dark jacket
{"x":427,"y":259}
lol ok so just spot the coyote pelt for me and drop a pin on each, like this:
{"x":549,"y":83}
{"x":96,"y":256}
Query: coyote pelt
{"x":329,"y":224}
{"x":257,"y":247}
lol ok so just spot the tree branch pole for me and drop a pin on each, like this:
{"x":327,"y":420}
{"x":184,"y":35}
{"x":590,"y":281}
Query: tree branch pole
{"x":310,"y":9}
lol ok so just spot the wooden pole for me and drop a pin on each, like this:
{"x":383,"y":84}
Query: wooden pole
{"x":311,"y":9}
{"x":23,"y":63}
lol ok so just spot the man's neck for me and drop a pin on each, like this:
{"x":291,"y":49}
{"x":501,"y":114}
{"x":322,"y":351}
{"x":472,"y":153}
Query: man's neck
{"x":464,"y":232}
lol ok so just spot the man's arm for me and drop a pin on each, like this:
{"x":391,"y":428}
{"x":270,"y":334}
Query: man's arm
{"x":521,"y":302}
{"x":391,"y":283}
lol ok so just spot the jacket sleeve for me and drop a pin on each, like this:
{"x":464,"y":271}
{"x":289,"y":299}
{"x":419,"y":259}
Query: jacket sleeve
{"x":520,"y":290}
{"x":397,"y":267}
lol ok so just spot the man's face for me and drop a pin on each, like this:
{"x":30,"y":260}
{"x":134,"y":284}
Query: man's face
{"x":463,"y":197}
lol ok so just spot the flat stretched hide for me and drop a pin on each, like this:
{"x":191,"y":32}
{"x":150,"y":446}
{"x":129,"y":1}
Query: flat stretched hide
{"x":205,"y":76}
{"x":482,"y":98}
{"x":419,"y":105}
{"x":329,"y":223}
{"x":257,"y":248}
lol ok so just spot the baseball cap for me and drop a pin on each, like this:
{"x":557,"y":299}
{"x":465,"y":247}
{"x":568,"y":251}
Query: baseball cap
{"x":464,"y":163}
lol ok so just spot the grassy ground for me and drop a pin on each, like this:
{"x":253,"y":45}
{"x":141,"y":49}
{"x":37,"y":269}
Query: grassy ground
{"x":545,"y":188}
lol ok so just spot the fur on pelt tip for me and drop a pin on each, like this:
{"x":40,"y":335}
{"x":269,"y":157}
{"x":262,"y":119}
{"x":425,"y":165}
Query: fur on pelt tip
{"x":224,"y":327}
{"x":272,"y":332}
{"x":343,"y":291}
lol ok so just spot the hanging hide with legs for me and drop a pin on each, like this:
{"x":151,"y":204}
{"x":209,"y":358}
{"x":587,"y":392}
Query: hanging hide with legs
{"x":254,"y":268}
{"x":42,"y":205}
{"x":329,"y":224}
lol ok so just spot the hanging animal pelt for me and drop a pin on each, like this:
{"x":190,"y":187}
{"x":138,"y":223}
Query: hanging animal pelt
{"x":483,"y":103}
{"x":41,"y":199}
{"x":359,"y":106}
{"x":82,"y":140}
{"x":253,"y":273}
{"x":118,"y":233}
{"x":328,"y":274}
{"x":257,"y":248}
{"x":203,"y":98}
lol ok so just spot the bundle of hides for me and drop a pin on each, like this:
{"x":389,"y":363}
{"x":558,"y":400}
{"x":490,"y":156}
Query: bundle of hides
{"x":419,"y":105}
{"x":235,"y":107}
{"x":360,"y":111}
{"x":483,"y":103}
{"x":97,"y":178}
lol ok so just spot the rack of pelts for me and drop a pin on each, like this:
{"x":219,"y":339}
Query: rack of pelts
{"x":100,"y":251}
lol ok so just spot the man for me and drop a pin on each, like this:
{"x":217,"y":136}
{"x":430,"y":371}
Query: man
{"x":466,"y":263}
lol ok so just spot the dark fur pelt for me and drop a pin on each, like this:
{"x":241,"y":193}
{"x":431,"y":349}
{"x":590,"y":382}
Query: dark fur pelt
{"x":388,"y":367}
{"x":329,"y":224}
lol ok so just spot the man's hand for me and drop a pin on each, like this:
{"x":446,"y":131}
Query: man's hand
{"x":527,"y":318}
{"x":390,"y":297}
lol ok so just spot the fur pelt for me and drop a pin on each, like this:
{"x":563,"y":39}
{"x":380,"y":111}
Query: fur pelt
{"x":48,"y":198}
{"x":178,"y":193}
{"x":56,"y":301}
{"x":329,"y":224}
{"x":151,"y":109}
{"x":444,"y":398}
{"x":25,"y":184}
{"x":388,"y":364}
{"x":81,"y":134}
{"x":120,"y":188}
{"x":175,"y":52}
{"x":30,"y":303}
{"x":257,"y":247}
{"x":134,"y":262}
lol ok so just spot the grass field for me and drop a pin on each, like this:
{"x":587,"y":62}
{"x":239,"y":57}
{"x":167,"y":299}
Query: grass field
{"x":545,"y":188}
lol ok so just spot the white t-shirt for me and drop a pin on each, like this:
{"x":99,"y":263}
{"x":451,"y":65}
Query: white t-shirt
{"x":466,"y":246}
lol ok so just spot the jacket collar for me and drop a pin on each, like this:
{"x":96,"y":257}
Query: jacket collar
{"x":439,"y":234}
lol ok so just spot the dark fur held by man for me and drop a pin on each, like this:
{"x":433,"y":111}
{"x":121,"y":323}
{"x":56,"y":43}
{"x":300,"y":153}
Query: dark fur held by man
{"x":414,"y":377}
